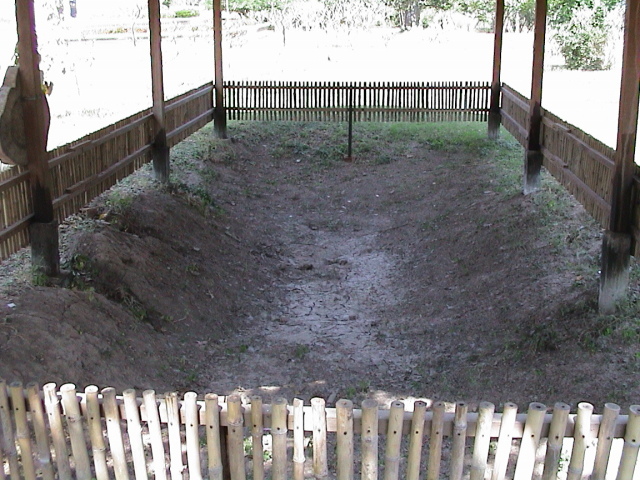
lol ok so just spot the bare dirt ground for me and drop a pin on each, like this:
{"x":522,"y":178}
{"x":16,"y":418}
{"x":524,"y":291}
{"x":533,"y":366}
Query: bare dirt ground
{"x":271,"y":266}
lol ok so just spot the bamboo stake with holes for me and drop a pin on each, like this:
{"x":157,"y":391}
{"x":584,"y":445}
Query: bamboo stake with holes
{"x":415,"y":442}
{"x":40,"y":430}
{"x":298,"y":439}
{"x":212,"y":424}
{"x":436,"y":440}
{"x":155,"y":432}
{"x":394,"y":438}
{"x":344,"y":439}
{"x":8,"y":443}
{"x":458,"y":441}
{"x":172,"y":405}
{"x":193,"y":438}
{"x":631,"y":445}
{"x":369,"y":439}
{"x":257,"y":432}
{"x":319,"y":422}
{"x":554,"y":443}
{"x":134,"y":432}
{"x":58,"y":437}
{"x":581,"y":440}
{"x":279,"y":438}
{"x":235,"y":438}
{"x":530,"y":441}
{"x":605,"y":439}
{"x":482,"y":441}
{"x":114,"y":433}
{"x":76,"y":431}
{"x":22,"y":432}
{"x":96,"y":435}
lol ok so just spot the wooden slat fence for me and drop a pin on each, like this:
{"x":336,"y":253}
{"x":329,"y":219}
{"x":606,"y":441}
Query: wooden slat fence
{"x":371,"y":101}
{"x":63,"y":434}
{"x":83,"y":169}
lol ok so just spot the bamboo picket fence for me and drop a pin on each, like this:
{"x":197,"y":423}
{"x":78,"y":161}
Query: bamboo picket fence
{"x":83,"y":169}
{"x":368,"y":101}
{"x":98,"y":435}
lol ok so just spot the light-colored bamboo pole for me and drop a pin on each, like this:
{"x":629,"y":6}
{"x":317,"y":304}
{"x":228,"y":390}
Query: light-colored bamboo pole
{"x":2,"y":474}
{"x":22,"y":432}
{"x":505,"y":436}
{"x":257,"y":432}
{"x":279,"y":436}
{"x":435,"y":441}
{"x":212,"y":424}
{"x":40,"y":430}
{"x":298,"y":439}
{"x":8,"y":442}
{"x":134,"y":431}
{"x":193,"y":438}
{"x":369,"y":439}
{"x":415,"y":440}
{"x":155,"y":433}
{"x":631,"y":445}
{"x":394,"y":439}
{"x":581,"y":440}
{"x":176,"y":467}
{"x":96,"y":434}
{"x":319,"y":422}
{"x":530,"y":440}
{"x":458,"y":441}
{"x":58,"y":436}
{"x":344,"y":439}
{"x":605,"y":440}
{"x":555,"y":439}
{"x":482,"y":441}
{"x":76,"y":431}
{"x":235,"y":447}
{"x":114,"y":433}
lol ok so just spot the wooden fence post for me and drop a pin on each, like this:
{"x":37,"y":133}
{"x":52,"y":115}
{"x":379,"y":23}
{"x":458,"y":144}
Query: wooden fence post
{"x":160,"y":148}
{"x":45,"y":256}
{"x":219,"y":114}
{"x":533,"y":155}
{"x":494,"y":106}
{"x":616,"y":244}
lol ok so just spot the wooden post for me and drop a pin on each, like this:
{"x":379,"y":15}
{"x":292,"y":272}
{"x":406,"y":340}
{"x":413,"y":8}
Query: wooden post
{"x":494,"y":108}
{"x":160,"y":148}
{"x":533,"y":155}
{"x":219,"y":114}
{"x":45,"y":256}
{"x":616,"y":244}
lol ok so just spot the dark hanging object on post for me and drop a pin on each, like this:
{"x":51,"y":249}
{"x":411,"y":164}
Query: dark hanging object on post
{"x":72,"y":8}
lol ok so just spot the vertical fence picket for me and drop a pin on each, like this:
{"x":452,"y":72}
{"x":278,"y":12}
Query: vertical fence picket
{"x":76,"y":431}
{"x":257,"y":431}
{"x":114,"y":433}
{"x":581,"y":440}
{"x":415,"y":440}
{"x":482,"y":440}
{"x":436,"y":441}
{"x":631,"y":445}
{"x":58,"y":436}
{"x":172,"y":406}
{"x":96,"y":435}
{"x":134,"y":432}
{"x":192,"y":426}
{"x":212,"y":424}
{"x":369,"y":439}
{"x":319,"y":422}
{"x":279,"y":438}
{"x":458,"y":441}
{"x":505,"y":436}
{"x":22,"y":432}
{"x":40,"y":430}
{"x":530,"y":441}
{"x":605,"y":440}
{"x":344,"y":439}
{"x":8,"y":442}
{"x":298,"y":439}
{"x":394,"y":439}
{"x":235,"y":438}
{"x":155,"y":432}
{"x":555,"y":440}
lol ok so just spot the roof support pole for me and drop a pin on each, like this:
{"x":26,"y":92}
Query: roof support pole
{"x":616,"y":245}
{"x":533,"y":155}
{"x":494,"y":108}
{"x":45,"y":257}
{"x":219,"y":114}
{"x":160,"y":148}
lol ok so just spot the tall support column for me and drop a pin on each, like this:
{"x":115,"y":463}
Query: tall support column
{"x":160,"y":148}
{"x":533,"y":155}
{"x":616,"y":245}
{"x":494,"y":108}
{"x":219,"y":114}
{"x":45,"y":255}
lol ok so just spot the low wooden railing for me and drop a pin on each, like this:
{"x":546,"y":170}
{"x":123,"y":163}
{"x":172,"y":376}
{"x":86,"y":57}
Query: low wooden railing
{"x":97,"y":434}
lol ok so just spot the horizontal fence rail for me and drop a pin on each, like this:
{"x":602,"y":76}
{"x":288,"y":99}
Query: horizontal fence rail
{"x":85,"y":168}
{"x":97,"y":434}
{"x":369,"y":101}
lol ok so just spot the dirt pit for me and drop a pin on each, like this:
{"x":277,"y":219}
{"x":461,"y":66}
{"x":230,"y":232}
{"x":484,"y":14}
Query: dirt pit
{"x":273,"y":267}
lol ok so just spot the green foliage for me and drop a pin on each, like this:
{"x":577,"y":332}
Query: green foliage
{"x":583,"y":41}
{"x":186,"y":13}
